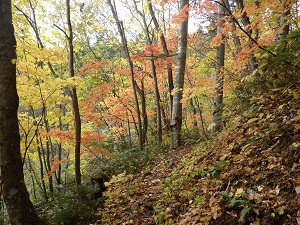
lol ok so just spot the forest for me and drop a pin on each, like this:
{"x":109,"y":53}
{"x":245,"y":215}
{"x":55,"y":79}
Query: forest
{"x":149,"y":112}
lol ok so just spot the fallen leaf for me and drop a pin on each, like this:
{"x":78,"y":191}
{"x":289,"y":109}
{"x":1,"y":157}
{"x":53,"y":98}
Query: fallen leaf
{"x":239,"y":191}
{"x":296,"y":118}
{"x":277,"y":190}
{"x":253,"y":120}
{"x":295,"y":165}
{"x":296,"y":144}
{"x":260,"y":188}
{"x":298,"y":217}
{"x":255,"y":223}
{"x":297,"y":189}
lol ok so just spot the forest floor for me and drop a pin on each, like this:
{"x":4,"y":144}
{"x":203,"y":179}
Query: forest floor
{"x":138,"y":209}
{"x":248,"y":174}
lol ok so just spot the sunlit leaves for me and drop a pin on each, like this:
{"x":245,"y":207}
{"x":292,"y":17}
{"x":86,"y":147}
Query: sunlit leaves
{"x":54,"y":165}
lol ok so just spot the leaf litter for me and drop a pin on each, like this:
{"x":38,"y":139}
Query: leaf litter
{"x":248,"y":174}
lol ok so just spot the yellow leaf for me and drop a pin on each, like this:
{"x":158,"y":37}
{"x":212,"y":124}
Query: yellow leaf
{"x":260,"y":188}
{"x":255,"y":223}
{"x":223,"y":157}
{"x":230,"y":146}
{"x":237,"y":158}
{"x":296,"y":118}
{"x":14,"y":61}
{"x":239,"y":191}
{"x":253,"y":120}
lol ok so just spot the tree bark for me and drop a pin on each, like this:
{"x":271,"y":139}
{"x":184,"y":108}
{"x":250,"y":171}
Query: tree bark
{"x":176,"y":120}
{"x":74,"y":99}
{"x":19,"y":207}
{"x":246,"y":22}
{"x":219,"y":78}
{"x":283,"y":21}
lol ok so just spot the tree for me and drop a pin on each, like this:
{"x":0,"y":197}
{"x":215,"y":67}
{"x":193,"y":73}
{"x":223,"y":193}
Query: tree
{"x":247,"y":24}
{"x":74,"y":98}
{"x":283,"y":24}
{"x":154,"y":74}
{"x":135,"y":88}
{"x":176,"y":120}
{"x":18,"y":205}
{"x":219,"y":78}
{"x":165,"y":50}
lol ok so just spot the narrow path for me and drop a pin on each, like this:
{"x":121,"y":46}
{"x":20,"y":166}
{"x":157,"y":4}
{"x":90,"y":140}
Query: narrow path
{"x":151,"y":186}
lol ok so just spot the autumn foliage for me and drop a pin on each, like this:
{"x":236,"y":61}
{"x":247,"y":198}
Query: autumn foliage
{"x":123,"y":78}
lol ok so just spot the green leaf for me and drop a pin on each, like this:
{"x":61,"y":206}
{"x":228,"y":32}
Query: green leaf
{"x":244,"y":212}
{"x":237,"y":202}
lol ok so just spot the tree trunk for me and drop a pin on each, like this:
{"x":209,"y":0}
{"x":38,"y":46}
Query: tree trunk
{"x":74,"y":99}
{"x":283,"y":21}
{"x":219,"y":79}
{"x":176,"y":120}
{"x":133,"y":82}
{"x":59,"y":170}
{"x":199,"y":108}
{"x":165,"y":50}
{"x":144,"y":113}
{"x":19,"y":207}
{"x":39,"y":146}
{"x":154,"y":75}
{"x":246,"y":23}
{"x":49,"y":147}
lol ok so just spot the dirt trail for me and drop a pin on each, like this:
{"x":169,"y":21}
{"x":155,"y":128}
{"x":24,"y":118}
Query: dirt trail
{"x":151,"y":186}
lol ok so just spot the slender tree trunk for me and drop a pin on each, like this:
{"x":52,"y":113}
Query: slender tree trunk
{"x":157,"y":101}
{"x":41,"y":170}
{"x":144,"y":113}
{"x":154,"y":76}
{"x":48,"y":145}
{"x":19,"y":207}
{"x":59,"y":170}
{"x":129,"y":130}
{"x":176,"y":120}
{"x":219,"y":78}
{"x":194,"y":114}
{"x":133,"y":82}
{"x":74,"y":99}
{"x":201,"y":117}
{"x":141,"y":92}
{"x":42,"y":158}
{"x":35,"y":178}
{"x":165,"y":50}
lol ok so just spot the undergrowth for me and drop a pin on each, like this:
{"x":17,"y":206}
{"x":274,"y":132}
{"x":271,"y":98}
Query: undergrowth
{"x":249,"y":173}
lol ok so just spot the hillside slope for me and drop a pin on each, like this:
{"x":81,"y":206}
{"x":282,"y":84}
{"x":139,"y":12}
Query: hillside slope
{"x":249,"y":174}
